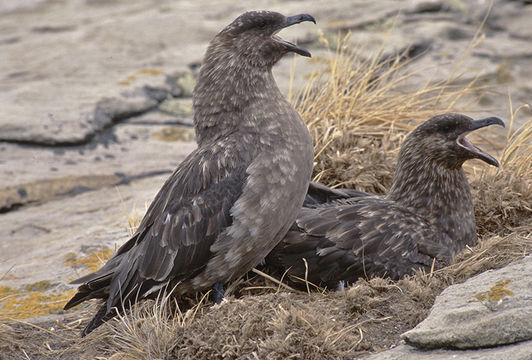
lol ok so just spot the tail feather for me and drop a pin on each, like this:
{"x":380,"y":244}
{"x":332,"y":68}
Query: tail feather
{"x":107,"y":270}
{"x":78,"y":298}
{"x":318,"y":194}
{"x":99,"y":318}
{"x":94,"y":285}
{"x":110,"y":309}
{"x":86,"y":292}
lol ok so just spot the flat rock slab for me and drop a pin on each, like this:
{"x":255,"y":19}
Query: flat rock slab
{"x":63,"y":239}
{"x":491,"y":309}
{"x":518,"y":351}
{"x":71,"y":70}
{"x":32,"y":174}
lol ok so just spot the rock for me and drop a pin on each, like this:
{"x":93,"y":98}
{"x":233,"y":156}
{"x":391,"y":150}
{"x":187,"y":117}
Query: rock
{"x":186,"y":82}
{"x":43,"y":190}
{"x":72,"y":73}
{"x":519,"y":351}
{"x":128,"y":150}
{"x":426,"y":6}
{"x":63,"y":239}
{"x":180,"y":107}
{"x":57,"y":76}
{"x":49,"y":97}
{"x":159,"y":117}
{"x":174,"y":133}
{"x":491,"y":309}
{"x":72,"y":126}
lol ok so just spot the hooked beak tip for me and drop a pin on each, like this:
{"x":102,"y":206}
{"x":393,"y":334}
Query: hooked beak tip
{"x":296,"y":19}
{"x":480,"y":123}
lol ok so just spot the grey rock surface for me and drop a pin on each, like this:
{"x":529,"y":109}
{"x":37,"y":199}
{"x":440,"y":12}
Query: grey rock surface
{"x":48,"y":238}
{"x":32,"y":174}
{"x":76,"y":67}
{"x":518,"y":351}
{"x":491,"y":309}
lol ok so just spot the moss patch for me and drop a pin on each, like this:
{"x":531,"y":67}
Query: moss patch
{"x":39,"y":286}
{"x":42,"y":297}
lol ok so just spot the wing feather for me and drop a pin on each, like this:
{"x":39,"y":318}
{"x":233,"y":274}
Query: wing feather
{"x":362,"y":236}
{"x":174,"y":238}
{"x":178,"y":248}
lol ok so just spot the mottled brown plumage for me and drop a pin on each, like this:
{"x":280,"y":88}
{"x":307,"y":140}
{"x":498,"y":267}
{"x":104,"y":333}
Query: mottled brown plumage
{"x":233,"y":198}
{"x":427,"y":214}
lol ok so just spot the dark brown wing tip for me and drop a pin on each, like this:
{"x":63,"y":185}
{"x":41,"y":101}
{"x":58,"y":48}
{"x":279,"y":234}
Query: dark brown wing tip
{"x":78,"y":298}
{"x":99,"y":318}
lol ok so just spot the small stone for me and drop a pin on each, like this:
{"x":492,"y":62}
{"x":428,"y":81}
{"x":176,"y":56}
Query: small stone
{"x":427,"y":6}
{"x":518,"y":351}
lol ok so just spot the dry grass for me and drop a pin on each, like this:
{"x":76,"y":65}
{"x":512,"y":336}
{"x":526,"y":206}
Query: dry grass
{"x":358,"y":111}
{"x":503,"y":197}
{"x":152,"y":329}
{"x":358,"y":118}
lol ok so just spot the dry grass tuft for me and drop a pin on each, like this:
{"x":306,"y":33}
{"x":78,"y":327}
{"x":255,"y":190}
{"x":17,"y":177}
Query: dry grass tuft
{"x":517,"y":154}
{"x":358,"y":111}
{"x":367,"y":317}
{"x":503,"y":197}
{"x":268,"y":326}
{"x":503,"y":202}
{"x":52,"y":338}
{"x":492,"y":252}
{"x":153,"y":328}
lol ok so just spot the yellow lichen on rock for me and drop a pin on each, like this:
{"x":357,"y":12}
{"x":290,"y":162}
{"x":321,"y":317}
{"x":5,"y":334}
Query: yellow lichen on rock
{"x":34,"y":300}
{"x":93,"y":261}
{"x":151,"y":72}
{"x":39,"y":286}
{"x":43,"y":297}
{"x":174,"y":134}
{"x":496,"y":293}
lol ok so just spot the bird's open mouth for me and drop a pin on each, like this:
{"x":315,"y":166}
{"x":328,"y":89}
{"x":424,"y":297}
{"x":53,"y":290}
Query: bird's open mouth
{"x":292,"y":47}
{"x":463,"y":142}
{"x":292,"y":20}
